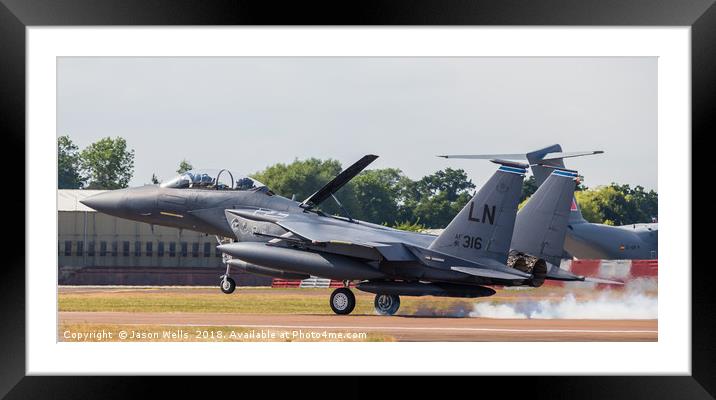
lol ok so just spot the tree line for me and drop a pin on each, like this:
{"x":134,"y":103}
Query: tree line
{"x":104,"y":164}
{"x":385,"y":196}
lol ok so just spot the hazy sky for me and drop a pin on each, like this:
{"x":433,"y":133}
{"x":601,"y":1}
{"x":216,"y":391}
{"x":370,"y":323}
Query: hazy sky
{"x":247,"y":113}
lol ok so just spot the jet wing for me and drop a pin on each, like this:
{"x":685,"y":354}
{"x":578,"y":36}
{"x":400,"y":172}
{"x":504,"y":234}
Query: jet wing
{"x":331,"y":232}
{"x":388,"y":247}
{"x":338,"y":182}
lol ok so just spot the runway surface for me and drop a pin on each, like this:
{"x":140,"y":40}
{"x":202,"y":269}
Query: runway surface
{"x":402,"y":328}
{"x":157,"y":309}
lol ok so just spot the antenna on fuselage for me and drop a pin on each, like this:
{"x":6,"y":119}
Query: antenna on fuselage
{"x":342,"y":208}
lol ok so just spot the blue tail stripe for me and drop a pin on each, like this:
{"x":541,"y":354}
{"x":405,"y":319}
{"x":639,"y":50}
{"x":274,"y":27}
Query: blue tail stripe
{"x":566,"y":174}
{"x":513,"y":170}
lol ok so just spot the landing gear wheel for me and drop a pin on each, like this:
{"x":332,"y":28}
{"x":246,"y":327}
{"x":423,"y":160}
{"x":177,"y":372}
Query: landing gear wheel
{"x":387,"y":304}
{"x":228,"y":285}
{"x":343,"y":301}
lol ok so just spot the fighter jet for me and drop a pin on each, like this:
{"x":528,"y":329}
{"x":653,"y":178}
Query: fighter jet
{"x":584,"y":239}
{"x":279,"y":237}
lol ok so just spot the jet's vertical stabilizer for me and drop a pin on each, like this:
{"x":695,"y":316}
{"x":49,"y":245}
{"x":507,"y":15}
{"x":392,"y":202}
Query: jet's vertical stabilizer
{"x":542,"y":223}
{"x":483,"y":229}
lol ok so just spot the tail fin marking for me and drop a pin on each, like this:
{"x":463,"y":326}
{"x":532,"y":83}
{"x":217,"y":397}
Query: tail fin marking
{"x":483,"y":228}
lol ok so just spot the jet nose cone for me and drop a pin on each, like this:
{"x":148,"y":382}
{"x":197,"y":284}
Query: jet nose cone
{"x":108,"y":202}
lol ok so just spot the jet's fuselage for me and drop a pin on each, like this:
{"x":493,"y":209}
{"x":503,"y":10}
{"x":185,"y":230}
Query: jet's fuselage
{"x":201,"y":210}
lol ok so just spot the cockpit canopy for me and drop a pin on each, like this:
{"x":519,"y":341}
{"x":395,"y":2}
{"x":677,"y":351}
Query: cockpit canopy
{"x":212,"y":179}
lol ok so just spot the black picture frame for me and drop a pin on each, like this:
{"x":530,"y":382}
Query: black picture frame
{"x":16,"y":15}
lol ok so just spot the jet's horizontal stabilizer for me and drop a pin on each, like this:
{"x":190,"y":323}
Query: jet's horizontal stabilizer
{"x":558,"y":274}
{"x":600,"y":280}
{"x":338,"y":182}
{"x":491,"y":273}
{"x":485,"y":267}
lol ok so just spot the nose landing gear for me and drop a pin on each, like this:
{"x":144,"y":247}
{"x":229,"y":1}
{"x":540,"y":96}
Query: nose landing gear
{"x":387,"y":304}
{"x":227,"y":285}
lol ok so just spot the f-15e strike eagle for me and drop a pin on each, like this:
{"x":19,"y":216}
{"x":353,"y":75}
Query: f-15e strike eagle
{"x":278,"y":237}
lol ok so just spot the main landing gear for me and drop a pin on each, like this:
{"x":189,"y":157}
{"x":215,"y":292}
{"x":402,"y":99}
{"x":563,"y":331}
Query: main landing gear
{"x":387,"y":304}
{"x":343,"y":301}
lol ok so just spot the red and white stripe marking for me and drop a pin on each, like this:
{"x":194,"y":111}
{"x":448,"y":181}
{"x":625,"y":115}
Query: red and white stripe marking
{"x":619,"y":270}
